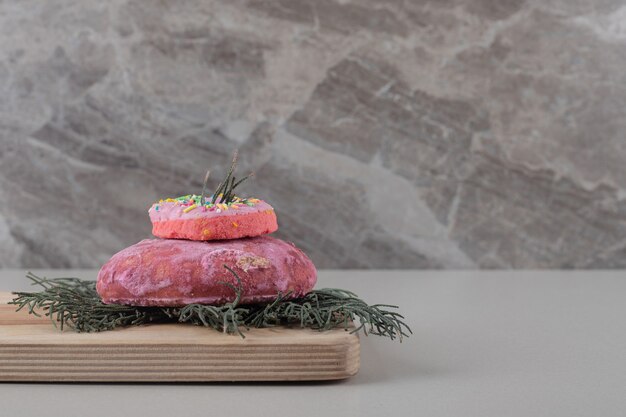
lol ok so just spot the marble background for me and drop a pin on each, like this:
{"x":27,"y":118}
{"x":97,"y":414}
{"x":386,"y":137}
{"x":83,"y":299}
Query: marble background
{"x":388,"y":134}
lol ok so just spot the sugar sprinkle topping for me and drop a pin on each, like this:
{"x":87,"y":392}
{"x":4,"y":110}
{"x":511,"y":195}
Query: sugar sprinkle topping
{"x":191,"y":202}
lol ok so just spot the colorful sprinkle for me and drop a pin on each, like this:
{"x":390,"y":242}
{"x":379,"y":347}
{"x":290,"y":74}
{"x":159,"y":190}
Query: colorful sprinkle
{"x":192,"y":201}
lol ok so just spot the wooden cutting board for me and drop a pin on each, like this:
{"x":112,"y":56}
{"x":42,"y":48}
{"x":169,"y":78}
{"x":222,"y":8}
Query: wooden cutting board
{"x":32,"y":349}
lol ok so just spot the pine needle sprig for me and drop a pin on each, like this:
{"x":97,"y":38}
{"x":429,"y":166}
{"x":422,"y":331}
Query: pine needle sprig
{"x":225,"y":191}
{"x":227,"y":318}
{"x":329,"y":308}
{"x":74,"y":303}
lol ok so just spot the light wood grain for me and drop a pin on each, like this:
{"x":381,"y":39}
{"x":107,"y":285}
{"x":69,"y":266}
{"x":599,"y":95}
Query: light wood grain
{"x":32,"y":349}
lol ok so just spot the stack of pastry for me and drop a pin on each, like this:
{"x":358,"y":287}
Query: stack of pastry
{"x":200,"y":241}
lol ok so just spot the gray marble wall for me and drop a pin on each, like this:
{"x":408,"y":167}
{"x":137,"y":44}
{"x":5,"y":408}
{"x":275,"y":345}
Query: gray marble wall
{"x":388,"y":134}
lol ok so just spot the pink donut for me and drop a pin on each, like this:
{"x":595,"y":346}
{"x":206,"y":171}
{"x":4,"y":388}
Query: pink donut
{"x":156,"y":272}
{"x":185,"y":218}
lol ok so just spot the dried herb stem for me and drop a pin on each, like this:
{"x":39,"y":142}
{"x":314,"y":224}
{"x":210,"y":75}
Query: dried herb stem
{"x":225,"y":191}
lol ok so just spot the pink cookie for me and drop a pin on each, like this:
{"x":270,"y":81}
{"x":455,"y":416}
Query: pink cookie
{"x":175,"y":219}
{"x":157,"y":272}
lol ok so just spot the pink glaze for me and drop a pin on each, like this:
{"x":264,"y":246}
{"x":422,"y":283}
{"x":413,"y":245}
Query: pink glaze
{"x":171,"y":221}
{"x":156,"y":272}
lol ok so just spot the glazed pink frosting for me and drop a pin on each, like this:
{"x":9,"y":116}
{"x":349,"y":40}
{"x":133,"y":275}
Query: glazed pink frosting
{"x":167,"y":272}
{"x":173,"y":211}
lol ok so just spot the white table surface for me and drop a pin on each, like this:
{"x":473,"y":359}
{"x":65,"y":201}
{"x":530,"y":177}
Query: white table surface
{"x":528,"y":343}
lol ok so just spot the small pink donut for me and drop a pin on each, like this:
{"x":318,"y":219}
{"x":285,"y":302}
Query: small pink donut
{"x":184,"y":219}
